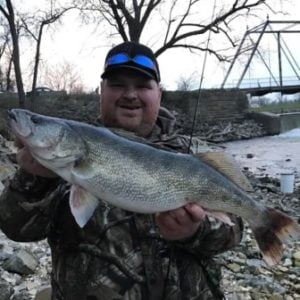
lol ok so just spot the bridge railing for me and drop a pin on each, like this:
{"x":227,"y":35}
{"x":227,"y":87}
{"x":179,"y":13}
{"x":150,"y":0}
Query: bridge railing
{"x":264,"y":82}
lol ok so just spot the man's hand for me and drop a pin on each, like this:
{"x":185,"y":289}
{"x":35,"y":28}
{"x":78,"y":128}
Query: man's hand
{"x":180,"y":223}
{"x":29,"y":164}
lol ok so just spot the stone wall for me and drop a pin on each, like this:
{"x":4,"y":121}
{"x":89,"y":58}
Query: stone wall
{"x":213,"y":105}
{"x":270,"y":121}
{"x":289,"y":121}
{"x":276,"y":123}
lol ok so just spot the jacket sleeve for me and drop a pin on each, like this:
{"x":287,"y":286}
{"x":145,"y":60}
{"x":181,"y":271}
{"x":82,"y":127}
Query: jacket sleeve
{"x":26,"y":206}
{"x":214,"y":237}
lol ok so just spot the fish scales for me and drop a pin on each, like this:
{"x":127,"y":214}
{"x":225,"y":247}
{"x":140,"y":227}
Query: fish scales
{"x":156,"y":178}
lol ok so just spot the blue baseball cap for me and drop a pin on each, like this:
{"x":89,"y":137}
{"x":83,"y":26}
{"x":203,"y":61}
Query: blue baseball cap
{"x":134,"y":56}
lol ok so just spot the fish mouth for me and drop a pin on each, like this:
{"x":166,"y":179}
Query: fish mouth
{"x":22,"y":124}
{"x":19,"y":124}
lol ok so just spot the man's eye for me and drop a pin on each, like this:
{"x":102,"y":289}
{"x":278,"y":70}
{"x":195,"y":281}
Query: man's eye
{"x":116,"y":84}
{"x":144,"y":86}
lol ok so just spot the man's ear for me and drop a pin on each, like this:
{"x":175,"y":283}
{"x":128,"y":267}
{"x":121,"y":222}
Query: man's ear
{"x":101,"y":85}
{"x":161,"y":91}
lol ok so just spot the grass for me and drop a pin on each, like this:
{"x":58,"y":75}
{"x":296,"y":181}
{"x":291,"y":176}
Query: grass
{"x":279,"y":107}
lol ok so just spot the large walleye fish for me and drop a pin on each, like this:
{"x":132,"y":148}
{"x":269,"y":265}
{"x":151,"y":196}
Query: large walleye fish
{"x":137,"y":177}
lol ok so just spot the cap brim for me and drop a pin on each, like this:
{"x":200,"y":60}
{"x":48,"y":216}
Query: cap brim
{"x":114,"y":69}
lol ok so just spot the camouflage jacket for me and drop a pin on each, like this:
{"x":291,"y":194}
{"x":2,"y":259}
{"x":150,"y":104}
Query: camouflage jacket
{"x":118,"y":254}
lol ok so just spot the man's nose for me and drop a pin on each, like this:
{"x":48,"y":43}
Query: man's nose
{"x":130,"y":92}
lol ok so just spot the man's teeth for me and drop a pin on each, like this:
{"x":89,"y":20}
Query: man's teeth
{"x":130,"y":107}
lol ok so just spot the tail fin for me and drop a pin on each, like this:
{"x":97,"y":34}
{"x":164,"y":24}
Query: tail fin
{"x":277,"y":228}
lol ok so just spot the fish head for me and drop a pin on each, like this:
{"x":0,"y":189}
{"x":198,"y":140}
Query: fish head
{"x":50,"y":140}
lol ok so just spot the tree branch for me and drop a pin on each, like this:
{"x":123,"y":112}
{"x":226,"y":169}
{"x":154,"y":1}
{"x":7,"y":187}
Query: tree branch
{"x":149,"y":8}
{"x":26,"y":27}
{"x":5,"y":13}
{"x":175,"y":39}
{"x":118,"y":20}
{"x":130,"y":18}
{"x":169,"y":22}
{"x":198,"y":48}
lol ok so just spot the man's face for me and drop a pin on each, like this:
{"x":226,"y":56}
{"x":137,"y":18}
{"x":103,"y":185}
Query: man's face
{"x":130,"y":101}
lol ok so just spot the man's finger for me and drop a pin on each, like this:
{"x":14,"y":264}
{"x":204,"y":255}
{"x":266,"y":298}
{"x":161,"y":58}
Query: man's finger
{"x":167,"y":220}
{"x":196,"y":213}
{"x":181,"y":216}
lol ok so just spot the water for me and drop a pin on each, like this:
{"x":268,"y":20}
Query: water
{"x":295,"y":133}
{"x":270,"y":155}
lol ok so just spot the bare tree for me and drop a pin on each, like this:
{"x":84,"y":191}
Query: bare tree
{"x":4,"y":37}
{"x":10,"y":83}
{"x":34,"y":25}
{"x":9,"y":14}
{"x":6,"y":57}
{"x":4,"y":40}
{"x":188,"y":82}
{"x":182,"y":26}
{"x":64,"y":77}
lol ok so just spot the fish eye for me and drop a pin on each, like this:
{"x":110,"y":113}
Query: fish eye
{"x":36,"y":119}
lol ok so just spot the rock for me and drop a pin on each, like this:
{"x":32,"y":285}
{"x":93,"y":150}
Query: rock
{"x":1,"y":186}
{"x":256,"y":294}
{"x":234,"y":267}
{"x":296,"y":258}
{"x":7,"y":169}
{"x":22,"y":262}
{"x":12,"y":279}
{"x":256,"y":263}
{"x":276,"y":297}
{"x":282,"y":269}
{"x":287,"y":262}
{"x":44,"y":293}
{"x":23,"y":295}
{"x":297,"y":287}
{"x":5,"y":291}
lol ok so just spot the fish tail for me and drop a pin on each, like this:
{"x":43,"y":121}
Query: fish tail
{"x":276,"y":228}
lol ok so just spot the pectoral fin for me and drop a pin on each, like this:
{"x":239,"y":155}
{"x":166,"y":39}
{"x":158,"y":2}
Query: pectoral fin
{"x":83,"y":204}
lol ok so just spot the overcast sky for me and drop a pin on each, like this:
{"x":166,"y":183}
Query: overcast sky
{"x":87,"y":49}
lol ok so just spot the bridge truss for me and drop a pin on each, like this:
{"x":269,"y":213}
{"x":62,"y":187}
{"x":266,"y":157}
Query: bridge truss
{"x":250,"y":44}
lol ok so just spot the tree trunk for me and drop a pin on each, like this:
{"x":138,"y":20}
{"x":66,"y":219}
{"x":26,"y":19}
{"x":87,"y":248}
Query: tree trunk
{"x":16,"y":53}
{"x":8,"y":73}
{"x":36,"y":66}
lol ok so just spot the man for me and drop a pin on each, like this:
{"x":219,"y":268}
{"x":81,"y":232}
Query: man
{"x":119,"y":254}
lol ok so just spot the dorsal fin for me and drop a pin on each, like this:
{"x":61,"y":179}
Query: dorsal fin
{"x":225,"y":164}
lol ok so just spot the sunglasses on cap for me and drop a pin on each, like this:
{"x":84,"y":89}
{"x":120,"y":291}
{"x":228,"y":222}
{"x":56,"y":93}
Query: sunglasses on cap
{"x":122,"y":58}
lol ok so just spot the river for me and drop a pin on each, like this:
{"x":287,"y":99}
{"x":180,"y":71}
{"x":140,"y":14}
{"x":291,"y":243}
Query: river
{"x":270,"y":155}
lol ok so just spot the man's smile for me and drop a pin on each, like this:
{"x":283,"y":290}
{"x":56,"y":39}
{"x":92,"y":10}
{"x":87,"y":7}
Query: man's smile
{"x":130,"y":106}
